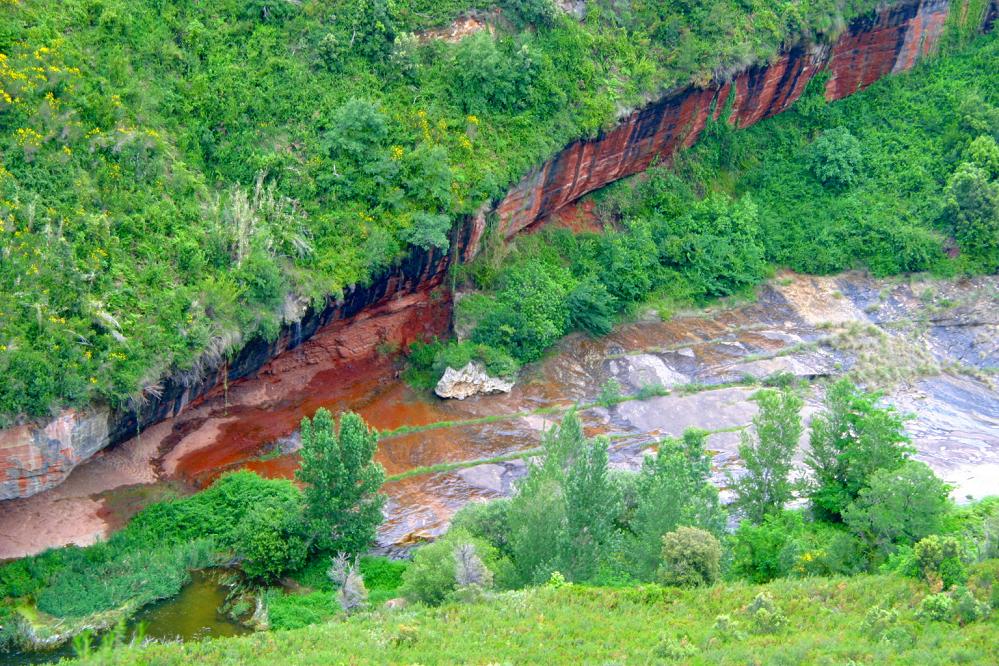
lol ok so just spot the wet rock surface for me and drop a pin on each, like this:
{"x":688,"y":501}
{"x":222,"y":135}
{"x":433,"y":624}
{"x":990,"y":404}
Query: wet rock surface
{"x":931,"y":345}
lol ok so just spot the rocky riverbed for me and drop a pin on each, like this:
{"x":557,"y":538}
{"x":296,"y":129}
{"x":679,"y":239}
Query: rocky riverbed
{"x":931,"y":345}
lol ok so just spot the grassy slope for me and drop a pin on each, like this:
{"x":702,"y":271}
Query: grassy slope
{"x":601,"y":625}
{"x":130,"y":133}
{"x":912,"y":132}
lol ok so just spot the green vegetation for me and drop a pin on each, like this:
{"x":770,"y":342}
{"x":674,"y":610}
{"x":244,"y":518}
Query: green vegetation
{"x":150,"y":558}
{"x":342,"y":504}
{"x":765,"y":486}
{"x":314,"y":603}
{"x":896,"y":178}
{"x":267,"y":527}
{"x":863,"y":619}
{"x":171,"y":174}
{"x":573,"y":519}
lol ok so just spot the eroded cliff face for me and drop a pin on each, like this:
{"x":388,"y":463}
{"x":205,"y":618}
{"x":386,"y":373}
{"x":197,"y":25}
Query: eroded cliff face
{"x":411,"y":302}
{"x":403,"y":305}
{"x":889,"y":41}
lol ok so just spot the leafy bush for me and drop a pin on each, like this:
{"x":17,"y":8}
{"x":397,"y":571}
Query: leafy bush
{"x":489,"y":521}
{"x":293,"y":611}
{"x":899,"y":506}
{"x":837,"y":158}
{"x":610,"y":393}
{"x":270,"y":541}
{"x":769,"y":550}
{"x":939,"y":560}
{"x":878,"y":621}
{"x":675,"y":649}
{"x":967,"y":608}
{"x":973,"y":211}
{"x":489,"y":76}
{"x":764,"y":615}
{"x":531,"y":312}
{"x":592,"y":308}
{"x":936,"y":607}
{"x":431,"y":578}
{"x":429,"y":231}
{"x":691,"y":557}
{"x":715,"y":246}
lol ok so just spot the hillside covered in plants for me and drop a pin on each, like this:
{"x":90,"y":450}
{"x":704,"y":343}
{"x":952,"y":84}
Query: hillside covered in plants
{"x":711,"y":448}
{"x":901,"y":178}
{"x":175,"y":175}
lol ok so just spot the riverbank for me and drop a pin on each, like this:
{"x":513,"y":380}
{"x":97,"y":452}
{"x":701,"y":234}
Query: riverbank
{"x":931,"y":343}
{"x":826,"y":623}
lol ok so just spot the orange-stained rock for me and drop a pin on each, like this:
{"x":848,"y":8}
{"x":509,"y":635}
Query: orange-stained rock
{"x":872,"y":47}
{"x":410,"y":302}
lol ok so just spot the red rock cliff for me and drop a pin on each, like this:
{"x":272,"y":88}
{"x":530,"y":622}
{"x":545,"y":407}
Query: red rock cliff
{"x":888,"y":41}
{"x":403,"y":304}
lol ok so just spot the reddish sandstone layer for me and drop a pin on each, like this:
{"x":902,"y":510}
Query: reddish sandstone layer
{"x":872,"y":47}
{"x":405,"y":304}
{"x":397,"y":307}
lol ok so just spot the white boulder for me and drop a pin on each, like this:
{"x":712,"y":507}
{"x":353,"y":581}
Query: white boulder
{"x":470,"y":380}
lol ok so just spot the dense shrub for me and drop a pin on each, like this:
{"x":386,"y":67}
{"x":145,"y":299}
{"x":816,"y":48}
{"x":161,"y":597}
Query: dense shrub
{"x":691,"y":557}
{"x":768,"y":550}
{"x":973,"y":210}
{"x":836,"y":158}
{"x":940,"y":561}
{"x":715,"y":245}
{"x":591,"y":307}
{"x":270,"y":540}
{"x":531,"y":312}
{"x":899,"y":506}
{"x":936,"y":607}
{"x":432,"y":577}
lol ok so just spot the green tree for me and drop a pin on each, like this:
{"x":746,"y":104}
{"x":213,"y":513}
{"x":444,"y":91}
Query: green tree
{"x":850,"y":441}
{"x":898,"y":506}
{"x":766,"y":487}
{"x":538,"y":515}
{"x":837,"y":158}
{"x":343,"y":507}
{"x":562,"y":517}
{"x":429,"y":231}
{"x":973,"y":210}
{"x":591,"y":502}
{"x":690,"y":557}
{"x":674,"y":488}
{"x":269,"y":540}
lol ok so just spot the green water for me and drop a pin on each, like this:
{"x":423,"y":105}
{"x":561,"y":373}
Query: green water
{"x":191,"y":615}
